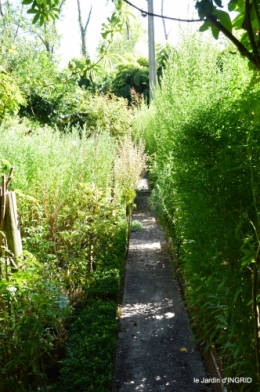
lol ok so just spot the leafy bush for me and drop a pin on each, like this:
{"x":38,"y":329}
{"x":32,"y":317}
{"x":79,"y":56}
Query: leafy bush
{"x":131,"y":76}
{"x":11,"y":96}
{"x":32,"y":313}
{"x":36,"y":78}
{"x":164,"y":54}
{"x":84,"y":233}
{"x":92,"y":339}
{"x":91,"y":349}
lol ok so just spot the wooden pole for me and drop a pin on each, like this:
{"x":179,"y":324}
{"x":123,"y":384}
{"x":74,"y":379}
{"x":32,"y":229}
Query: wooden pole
{"x":11,"y":224}
{"x":2,"y":211}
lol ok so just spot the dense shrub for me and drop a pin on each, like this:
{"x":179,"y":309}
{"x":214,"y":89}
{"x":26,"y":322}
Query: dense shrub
{"x":131,"y":76}
{"x":106,"y":113}
{"x":92,"y":339}
{"x":33,"y":310}
{"x":11,"y":96}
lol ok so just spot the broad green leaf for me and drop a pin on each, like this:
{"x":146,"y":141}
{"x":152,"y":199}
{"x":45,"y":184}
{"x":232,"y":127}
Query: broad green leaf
{"x":251,"y":66}
{"x":26,"y":2}
{"x":224,"y":19}
{"x":231,"y":6}
{"x":255,"y":26}
{"x":236,"y":5}
{"x":36,"y":18}
{"x":32,"y":11}
{"x":215,"y":32}
{"x":204,"y":8}
{"x":238,"y":21}
{"x":105,"y":34}
{"x":42,"y":19}
{"x":205,"y":26}
{"x":240,"y":5}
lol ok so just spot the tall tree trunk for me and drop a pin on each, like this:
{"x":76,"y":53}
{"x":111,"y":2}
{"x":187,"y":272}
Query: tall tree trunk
{"x":166,"y":35}
{"x":83,"y":29}
{"x":128,"y":31}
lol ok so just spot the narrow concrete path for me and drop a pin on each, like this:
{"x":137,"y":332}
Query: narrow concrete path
{"x":155,"y":350}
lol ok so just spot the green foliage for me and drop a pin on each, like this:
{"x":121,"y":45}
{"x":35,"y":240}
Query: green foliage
{"x":43,"y":11}
{"x":106,"y":113}
{"x":52,"y":96}
{"x":87,"y":74}
{"x":134,"y":76}
{"x":131,"y":76}
{"x":44,"y":92}
{"x":85,"y":231}
{"x":73,"y":192}
{"x":92,"y":336}
{"x":32,"y":313}
{"x":70,"y":106}
{"x":48,"y":169}
{"x":136,"y":226}
{"x":204,"y":134}
{"x":11,"y":96}
{"x":247,"y":20}
{"x":125,"y":42}
{"x":164,"y":54}
{"x":91,"y":349}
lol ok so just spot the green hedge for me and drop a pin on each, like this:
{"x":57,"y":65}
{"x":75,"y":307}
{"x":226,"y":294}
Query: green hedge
{"x":203,"y":133}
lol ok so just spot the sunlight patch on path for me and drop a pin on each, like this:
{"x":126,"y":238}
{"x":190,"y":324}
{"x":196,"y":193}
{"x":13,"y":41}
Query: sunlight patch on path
{"x":153,"y":245}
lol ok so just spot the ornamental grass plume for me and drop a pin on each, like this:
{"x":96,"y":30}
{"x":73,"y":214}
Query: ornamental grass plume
{"x":130,"y":163}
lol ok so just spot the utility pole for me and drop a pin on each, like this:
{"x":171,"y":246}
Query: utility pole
{"x":152,"y":61}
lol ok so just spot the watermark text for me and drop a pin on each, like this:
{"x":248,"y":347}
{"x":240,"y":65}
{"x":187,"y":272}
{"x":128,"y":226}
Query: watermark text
{"x":226,"y":380}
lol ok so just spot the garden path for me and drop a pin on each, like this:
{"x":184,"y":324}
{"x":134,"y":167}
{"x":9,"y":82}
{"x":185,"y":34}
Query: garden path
{"x":155,"y":351}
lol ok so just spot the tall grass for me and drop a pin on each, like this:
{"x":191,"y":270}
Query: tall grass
{"x":72,"y":194}
{"x":55,"y":160}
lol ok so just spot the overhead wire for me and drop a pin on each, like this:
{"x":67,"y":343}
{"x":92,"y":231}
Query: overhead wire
{"x":144,"y":13}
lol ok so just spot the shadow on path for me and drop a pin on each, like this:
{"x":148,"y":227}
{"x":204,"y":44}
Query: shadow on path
{"x":155,"y":351}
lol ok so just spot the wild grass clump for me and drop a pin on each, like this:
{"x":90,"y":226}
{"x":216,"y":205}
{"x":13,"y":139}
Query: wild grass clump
{"x":72,"y":212}
{"x":204,"y":134}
